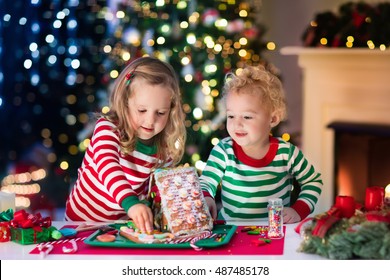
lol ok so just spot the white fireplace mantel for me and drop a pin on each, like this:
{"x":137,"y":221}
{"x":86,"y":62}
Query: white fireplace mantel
{"x":339,"y":85}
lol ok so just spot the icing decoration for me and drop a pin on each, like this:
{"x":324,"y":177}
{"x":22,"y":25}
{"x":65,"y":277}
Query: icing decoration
{"x":183,"y":210}
{"x":195,"y":193}
{"x":177,"y":180}
{"x":187,"y":205}
{"x":183,"y":193}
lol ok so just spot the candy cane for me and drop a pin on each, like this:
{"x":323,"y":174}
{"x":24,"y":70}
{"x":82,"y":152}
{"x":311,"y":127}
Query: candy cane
{"x":42,"y":246}
{"x":63,"y":241}
{"x":205,"y":235}
{"x":180,"y":240}
{"x":68,"y":250}
{"x":44,"y":249}
{"x":189,"y":238}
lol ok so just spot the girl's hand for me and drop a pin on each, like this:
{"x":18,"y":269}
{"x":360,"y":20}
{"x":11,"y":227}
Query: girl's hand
{"x":142,"y":217}
{"x":212,"y":207}
{"x":290,"y":216}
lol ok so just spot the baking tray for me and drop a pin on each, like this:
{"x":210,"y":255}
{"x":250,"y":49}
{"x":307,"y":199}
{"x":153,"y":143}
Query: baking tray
{"x":227,"y":231}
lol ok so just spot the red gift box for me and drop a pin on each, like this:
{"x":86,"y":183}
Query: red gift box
{"x":5,"y":232}
{"x":30,"y":228}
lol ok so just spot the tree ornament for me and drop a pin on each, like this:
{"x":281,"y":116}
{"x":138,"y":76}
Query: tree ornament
{"x":235,"y":26}
{"x":210,"y":16}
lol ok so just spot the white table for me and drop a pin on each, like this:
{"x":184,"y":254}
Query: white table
{"x":15,"y":251}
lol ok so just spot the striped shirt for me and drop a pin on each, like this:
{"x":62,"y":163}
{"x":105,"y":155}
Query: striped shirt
{"x":108,"y":182}
{"x":247,"y":183}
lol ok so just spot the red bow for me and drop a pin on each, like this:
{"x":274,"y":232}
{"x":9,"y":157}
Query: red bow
{"x":344,"y":208}
{"x":24,"y":220}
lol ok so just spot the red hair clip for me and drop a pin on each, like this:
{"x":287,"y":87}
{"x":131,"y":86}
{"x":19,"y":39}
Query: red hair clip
{"x":129,"y":76}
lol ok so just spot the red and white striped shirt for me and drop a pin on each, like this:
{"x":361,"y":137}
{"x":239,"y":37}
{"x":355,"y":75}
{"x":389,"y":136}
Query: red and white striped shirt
{"x":108,"y":182}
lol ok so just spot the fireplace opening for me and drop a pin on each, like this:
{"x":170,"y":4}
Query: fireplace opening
{"x":362,"y":158}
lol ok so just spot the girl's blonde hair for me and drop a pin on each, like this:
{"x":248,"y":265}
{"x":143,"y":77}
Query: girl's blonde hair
{"x":262,"y":81}
{"x":171,"y":141}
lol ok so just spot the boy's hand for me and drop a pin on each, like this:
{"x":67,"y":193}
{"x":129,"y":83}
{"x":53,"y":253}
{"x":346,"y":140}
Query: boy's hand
{"x":212,"y":207}
{"x":142,"y":217}
{"x":290,"y":216}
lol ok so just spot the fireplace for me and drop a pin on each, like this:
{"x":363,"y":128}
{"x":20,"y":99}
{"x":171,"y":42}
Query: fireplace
{"x":344,"y":90}
{"x":362,"y":158}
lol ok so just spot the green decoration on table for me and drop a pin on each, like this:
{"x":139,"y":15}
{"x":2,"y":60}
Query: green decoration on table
{"x":353,"y":238}
{"x":35,"y":235}
{"x":56,"y":234}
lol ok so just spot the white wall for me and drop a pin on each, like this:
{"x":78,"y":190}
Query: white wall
{"x":286,"y":21}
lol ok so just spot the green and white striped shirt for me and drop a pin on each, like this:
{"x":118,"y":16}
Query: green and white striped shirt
{"x":247,"y":183}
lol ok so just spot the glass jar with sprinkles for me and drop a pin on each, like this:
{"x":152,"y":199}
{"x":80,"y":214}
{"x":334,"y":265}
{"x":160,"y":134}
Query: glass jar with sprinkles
{"x":275,"y":218}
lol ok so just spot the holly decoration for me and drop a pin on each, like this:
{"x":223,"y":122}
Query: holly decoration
{"x":356,"y":24}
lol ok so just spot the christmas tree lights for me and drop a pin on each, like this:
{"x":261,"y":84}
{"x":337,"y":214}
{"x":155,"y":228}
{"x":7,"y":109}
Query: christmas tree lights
{"x":203,"y":40}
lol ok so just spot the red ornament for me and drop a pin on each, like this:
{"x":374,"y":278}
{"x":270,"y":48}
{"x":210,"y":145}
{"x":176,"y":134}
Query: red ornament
{"x":251,"y":33}
{"x":358,"y":19}
{"x":198,"y":77}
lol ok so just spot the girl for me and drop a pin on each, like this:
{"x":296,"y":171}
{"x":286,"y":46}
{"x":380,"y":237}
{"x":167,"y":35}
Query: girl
{"x":143,"y":130}
{"x":251,"y":165}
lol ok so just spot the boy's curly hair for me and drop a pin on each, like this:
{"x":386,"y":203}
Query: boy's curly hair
{"x":259,"y":80}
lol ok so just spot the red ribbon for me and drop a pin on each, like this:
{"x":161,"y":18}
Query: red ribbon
{"x":24,"y":220}
{"x":301,"y":223}
{"x":376,"y":217}
{"x":344,"y":208}
{"x":323,"y":224}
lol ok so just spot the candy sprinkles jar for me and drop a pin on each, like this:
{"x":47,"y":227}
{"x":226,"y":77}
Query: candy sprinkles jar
{"x":275,"y":218}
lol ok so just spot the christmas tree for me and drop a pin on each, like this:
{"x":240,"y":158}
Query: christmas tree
{"x":202,"y":40}
{"x":49,"y":72}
